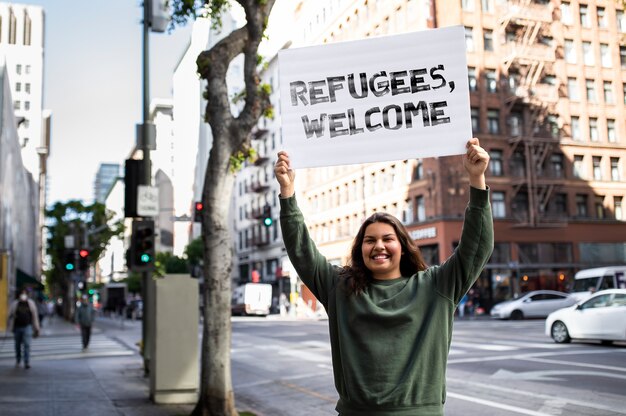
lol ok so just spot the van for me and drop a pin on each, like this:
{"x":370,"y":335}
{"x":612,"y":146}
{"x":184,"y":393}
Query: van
{"x":252,"y":299}
{"x":589,"y":281}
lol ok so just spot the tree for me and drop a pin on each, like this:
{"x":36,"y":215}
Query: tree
{"x":75,"y":218}
{"x":231,"y":145}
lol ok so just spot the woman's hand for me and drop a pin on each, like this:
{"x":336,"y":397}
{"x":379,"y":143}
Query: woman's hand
{"x":475,"y":161}
{"x":284,"y":175}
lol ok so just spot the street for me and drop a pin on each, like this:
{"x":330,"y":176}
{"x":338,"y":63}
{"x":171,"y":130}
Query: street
{"x":495,"y":368}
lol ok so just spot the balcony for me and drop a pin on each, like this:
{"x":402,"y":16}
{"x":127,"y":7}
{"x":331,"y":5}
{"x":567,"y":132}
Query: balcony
{"x":520,"y":10}
{"x":259,"y":187}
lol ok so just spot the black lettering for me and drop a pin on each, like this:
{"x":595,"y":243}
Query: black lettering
{"x":416,"y":78}
{"x":435,"y":76}
{"x":298,"y":90}
{"x":411,"y":110}
{"x":397,"y":82}
{"x":382,"y":87}
{"x":314,"y":126}
{"x":386,"y":111}
{"x":352,"y":123}
{"x":334,"y":84}
{"x":335,"y":122}
{"x":315,"y":92}
{"x":435,"y":113}
{"x":352,"y":89}
{"x":368,"y":121}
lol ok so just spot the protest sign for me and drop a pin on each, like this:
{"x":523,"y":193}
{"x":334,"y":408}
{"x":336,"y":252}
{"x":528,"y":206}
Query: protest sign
{"x":379,"y":99}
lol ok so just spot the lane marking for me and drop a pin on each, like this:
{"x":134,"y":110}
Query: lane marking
{"x":490,"y":403}
{"x":570,"y":363}
{"x":309,"y":392}
{"x":487,"y":347}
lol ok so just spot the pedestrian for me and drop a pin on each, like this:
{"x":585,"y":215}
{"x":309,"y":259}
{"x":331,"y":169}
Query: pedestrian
{"x":390,"y":316}
{"x":462,"y":304}
{"x":84,"y":317}
{"x":24,"y":323}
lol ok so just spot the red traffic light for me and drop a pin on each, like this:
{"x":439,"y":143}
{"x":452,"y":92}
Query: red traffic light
{"x":83,"y":253}
{"x":199,"y":206}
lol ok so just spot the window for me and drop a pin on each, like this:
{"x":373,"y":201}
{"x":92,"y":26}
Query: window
{"x":579,"y":167}
{"x":615,"y":176}
{"x":408,"y":215}
{"x":18,"y":86}
{"x":576,"y":128}
{"x":419,"y":170}
{"x":491,"y":82}
{"x":599,"y":203}
{"x":602,"y":20}
{"x":12,"y":28}
{"x":605,"y":55}
{"x":588,"y":54}
{"x":486,"y":5}
{"x":493,"y":121}
{"x":27,"y":29}
{"x":622,"y":56}
{"x":581,"y":205}
{"x":566,"y":14}
{"x":572,"y":89}
{"x":593,"y":129}
{"x":597,"y":168}
{"x":515,"y":124}
{"x":556,"y":165}
{"x":607,"y":86}
{"x":420,"y":209}
{"x":560,"y":204}
{"x":591,"y":90}
{"x":584,"y":16}
{"x":621,"y":21}
{"x":26,"y":105}
{"x":475,"y":120}
{"x":611,"y":133}
{"x":472,"y":80}
{"x":488,"y":40}
{"x":469,"y":39}
{"x":467,"y":5}
{"x":17,"y":105}
{"x":495,"y":164}
{"x":18,"y":69}
{"x":624,"y":92}
{"x":27,"y":88}
{"x":27,"y":69}
{"x":617,"y":208}
{"x":498,"y":204}
{"x":553,"y":125}
{"x":570,"y":51}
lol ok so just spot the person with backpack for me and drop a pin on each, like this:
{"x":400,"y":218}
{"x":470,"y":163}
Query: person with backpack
{"x":24,"y":322}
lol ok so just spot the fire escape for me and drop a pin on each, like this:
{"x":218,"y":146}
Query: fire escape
{"x":530,"y":109}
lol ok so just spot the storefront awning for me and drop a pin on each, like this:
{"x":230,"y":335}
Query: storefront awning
{"x":24,"y":279}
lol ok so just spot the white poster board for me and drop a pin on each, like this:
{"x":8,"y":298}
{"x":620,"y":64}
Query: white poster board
{"x":388,"y":98}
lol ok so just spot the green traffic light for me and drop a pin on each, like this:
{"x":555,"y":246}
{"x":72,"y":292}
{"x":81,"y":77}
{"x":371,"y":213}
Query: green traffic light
{"x":69,"y":266}
{"x":267,"y":221}
{"x":91,"y":291}
{"x":145,"y":258}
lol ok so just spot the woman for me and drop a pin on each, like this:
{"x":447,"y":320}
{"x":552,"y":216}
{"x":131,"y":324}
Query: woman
{"x":390,"y":316}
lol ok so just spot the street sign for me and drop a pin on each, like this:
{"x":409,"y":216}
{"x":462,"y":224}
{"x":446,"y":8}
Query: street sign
{"x":69,"y":241}
{"x":147,"y":201}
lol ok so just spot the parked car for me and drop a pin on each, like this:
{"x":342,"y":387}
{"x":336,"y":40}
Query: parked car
{"x":600,"y":317}
{"x":535,"y":304}
{"x":134,"y":309}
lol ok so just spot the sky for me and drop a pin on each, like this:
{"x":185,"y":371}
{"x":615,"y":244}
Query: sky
{"x":93,"y":86}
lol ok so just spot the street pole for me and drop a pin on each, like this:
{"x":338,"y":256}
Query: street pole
{"x":145,"y":146}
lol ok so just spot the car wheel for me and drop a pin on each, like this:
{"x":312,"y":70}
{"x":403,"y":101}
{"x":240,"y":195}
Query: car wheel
{"x":517,"y":315}
{"x":559,"y":333}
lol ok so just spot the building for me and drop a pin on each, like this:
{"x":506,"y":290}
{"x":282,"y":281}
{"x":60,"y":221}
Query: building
{"x":548,"y":101}
{"x":106,"y":176}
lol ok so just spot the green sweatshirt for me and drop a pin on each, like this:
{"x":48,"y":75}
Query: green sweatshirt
{"x":390,"y":343}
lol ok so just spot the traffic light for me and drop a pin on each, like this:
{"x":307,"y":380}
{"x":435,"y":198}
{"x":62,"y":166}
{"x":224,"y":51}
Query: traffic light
{"x":198,"y":210}
{"x":69,"y":260}
{"x":134,"y":174}
{"x":267,"y":216}
{"x":83,"y":259}
{"x":142,"y":252}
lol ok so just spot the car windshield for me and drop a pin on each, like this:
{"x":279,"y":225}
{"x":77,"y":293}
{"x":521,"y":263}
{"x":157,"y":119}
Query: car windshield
{"x":583,"y":285}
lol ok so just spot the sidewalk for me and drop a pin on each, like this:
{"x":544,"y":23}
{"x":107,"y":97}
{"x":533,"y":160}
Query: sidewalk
{"x":89,"y":384}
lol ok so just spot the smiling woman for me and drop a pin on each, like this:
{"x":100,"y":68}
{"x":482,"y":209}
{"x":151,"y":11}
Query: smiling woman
{"x":387,"y":296}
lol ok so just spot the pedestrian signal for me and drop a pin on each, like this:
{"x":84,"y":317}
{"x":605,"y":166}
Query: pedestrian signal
{"x":69,"y":260}
{"x":267,"y":216}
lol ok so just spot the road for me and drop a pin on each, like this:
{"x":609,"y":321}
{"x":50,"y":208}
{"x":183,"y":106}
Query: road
{"x":496,"y":368}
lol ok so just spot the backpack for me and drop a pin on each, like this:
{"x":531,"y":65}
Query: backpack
{"x":23,"y":315}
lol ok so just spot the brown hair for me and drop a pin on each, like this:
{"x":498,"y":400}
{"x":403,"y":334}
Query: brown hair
{"x":357,"y":276}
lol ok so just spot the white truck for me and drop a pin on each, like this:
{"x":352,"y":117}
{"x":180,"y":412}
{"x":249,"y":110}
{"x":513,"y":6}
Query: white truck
{"x":589,"y":281}
{"x":252,"y":299}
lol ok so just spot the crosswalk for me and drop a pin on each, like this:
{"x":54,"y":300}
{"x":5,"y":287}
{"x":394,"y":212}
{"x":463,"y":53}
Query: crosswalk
{"x":66,"y":347}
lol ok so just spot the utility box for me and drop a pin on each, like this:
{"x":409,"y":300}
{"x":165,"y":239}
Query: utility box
{"x":174,"y":358}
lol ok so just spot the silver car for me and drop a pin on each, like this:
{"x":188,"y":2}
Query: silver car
{"x":535,"y":304}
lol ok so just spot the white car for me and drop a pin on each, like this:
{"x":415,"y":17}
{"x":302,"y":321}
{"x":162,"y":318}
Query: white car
{"x":535,"y":304}
{"x":600,"y":317}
